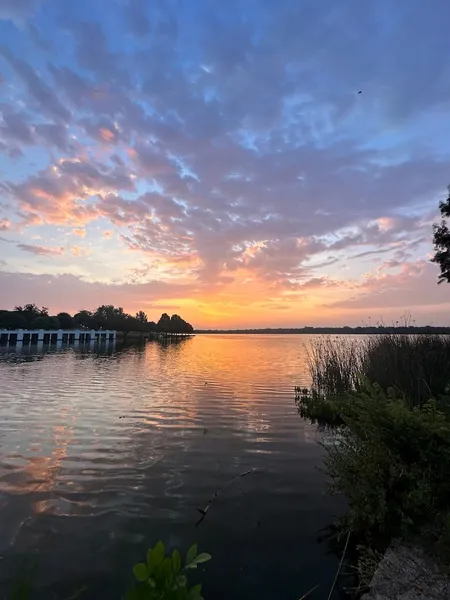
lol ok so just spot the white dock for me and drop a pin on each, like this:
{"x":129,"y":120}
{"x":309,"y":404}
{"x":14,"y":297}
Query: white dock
{"x":56,"y":336}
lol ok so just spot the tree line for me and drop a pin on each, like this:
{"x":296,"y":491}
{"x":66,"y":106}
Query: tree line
{"x":106,"y":316}
{"x":407,"y":329}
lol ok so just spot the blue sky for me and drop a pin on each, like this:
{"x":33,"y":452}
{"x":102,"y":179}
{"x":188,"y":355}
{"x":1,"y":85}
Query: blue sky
{"x":218,"y":158}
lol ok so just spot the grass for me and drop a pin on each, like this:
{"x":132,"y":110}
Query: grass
{"x":417,"y":367}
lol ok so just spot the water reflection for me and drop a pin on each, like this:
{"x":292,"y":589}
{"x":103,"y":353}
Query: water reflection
{"x":103,"y":450}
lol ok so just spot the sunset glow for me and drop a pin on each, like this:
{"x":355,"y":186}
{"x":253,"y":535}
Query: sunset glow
{"x":216,"y":160}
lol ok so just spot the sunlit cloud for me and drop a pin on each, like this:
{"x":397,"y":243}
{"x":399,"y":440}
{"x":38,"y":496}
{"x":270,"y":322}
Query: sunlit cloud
{"x":79,"y":232}
{"x":230,"y":163}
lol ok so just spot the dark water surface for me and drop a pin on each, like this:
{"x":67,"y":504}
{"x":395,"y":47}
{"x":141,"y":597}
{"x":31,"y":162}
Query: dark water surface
{"x":103,"y":453}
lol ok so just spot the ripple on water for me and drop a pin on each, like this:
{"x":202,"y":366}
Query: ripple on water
{"x":103,"y":453}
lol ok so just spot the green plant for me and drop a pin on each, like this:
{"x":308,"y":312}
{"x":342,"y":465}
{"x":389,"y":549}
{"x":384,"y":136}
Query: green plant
{"x":163,"y":577}
{"x":391,"y":462}
{"x":417,"y":366}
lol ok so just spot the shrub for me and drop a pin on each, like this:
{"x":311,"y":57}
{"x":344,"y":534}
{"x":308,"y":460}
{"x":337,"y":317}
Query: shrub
{"x":391,"y":462}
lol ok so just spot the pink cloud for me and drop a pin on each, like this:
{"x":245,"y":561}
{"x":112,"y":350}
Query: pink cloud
{"x":41,"y":250}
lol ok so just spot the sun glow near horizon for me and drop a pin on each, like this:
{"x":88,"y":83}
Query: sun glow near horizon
{"x":186,"y":157}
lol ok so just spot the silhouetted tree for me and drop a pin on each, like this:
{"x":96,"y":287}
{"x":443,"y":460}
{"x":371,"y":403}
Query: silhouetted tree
{"x":152,"y":326}
{"x":179,"y":325}
{"x":12,"y":319}
{"x":441,"y":237}
{"x":46,"y":322}
{"x":84,"y":318}
{"x":164,"y":323}
{"x":66,"y":321}
{"x":105,"y":316}
{"x":141,"y":317}
{"x":31,"y":312}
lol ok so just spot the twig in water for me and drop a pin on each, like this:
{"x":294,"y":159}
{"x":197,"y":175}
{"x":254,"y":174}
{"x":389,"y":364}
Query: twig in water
{"x":310,"y":592}
{"x":339,"y":567}
{"x":203,"y":511}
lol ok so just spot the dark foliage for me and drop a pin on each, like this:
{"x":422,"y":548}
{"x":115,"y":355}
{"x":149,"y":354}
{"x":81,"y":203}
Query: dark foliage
{"x":391,"y":462}
{"x":388,"y":444}
{"x":106,"y":316}
{"x":441,"y":238}
{"x":173,"y":324}
{"x":65,"y":320}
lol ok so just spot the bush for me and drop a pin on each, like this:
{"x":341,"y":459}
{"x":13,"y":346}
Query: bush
{"x":391,"y":462}
{"x":417,"y":366}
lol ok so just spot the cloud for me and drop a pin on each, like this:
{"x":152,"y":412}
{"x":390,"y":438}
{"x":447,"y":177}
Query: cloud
{"x":136,"y":19}
{"x":41,"y":250}
{"x":79,"y":251}
{"x":225,"y":148}
{"x":5,"y":224}
{"x":412,"y":285}
{"x":71,"y":293}
{"x":40,"y":91}
{"x":54,"y":134}
{"x":15,"y":127}
{"x":80,"y":232}
{"x":59,"y":194}
{"x":17,"y":10}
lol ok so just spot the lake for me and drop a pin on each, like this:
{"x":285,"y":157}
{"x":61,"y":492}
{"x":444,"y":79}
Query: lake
{"x":103,"y":453}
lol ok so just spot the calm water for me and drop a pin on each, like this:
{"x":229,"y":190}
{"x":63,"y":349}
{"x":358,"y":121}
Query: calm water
{"x":104,"y":453}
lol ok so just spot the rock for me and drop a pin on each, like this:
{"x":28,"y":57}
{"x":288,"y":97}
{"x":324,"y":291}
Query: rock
{"x":407,"y":573}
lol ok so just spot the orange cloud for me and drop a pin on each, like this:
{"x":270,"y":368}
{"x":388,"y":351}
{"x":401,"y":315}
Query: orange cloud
{"x":80,"y":232}
{"x":5,"y":224}
{"x":79,"y":251}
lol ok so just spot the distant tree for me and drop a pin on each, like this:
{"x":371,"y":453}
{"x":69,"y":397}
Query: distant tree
{"x":441,"y":238}
{"x":141,"y":317}
{"x":152,"y":326}
{"x":66,"y":321}
{"x":179,"y":325}
{"x":46,"y":322}
{"x":164,"y":323}
{"x":12,"y":319}
{"x":31,"y":312}
{"x":84,"y":318}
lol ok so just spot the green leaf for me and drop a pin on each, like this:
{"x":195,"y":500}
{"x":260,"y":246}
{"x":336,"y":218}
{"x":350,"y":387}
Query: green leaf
{"x":140,"y":572}
{"x":159,"y":551}
{"x":155,"y":557}
{"x":202,"y":558}
{"x":132,"y":594}
{"x":165,"y":570}
{"x":182,"y":581}
{"x":195,"y":592}
{"x":191,"y":554}
{"x":176,"y":562}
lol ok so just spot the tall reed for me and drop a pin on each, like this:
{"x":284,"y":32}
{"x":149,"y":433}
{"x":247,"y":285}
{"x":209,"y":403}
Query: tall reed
{"x":416,"y":366}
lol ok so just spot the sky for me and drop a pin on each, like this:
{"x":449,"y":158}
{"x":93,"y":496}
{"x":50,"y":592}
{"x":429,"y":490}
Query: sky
{"x":216,"y":159}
